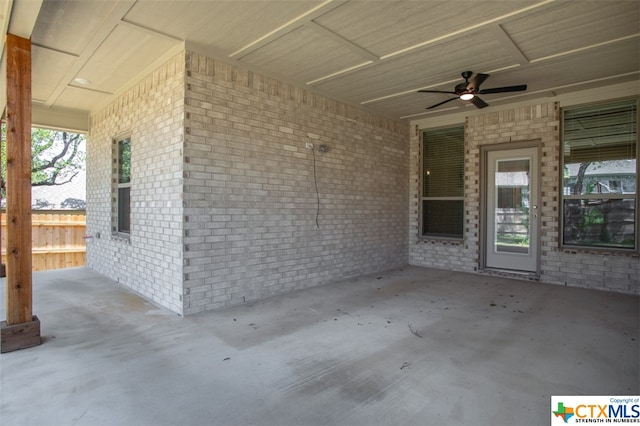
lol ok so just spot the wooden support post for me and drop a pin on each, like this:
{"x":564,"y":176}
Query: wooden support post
{"x":22,"y":328}
{"x":3,"y":267}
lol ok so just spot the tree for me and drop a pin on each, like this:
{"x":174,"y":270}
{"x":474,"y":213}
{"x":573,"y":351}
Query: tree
{"x":577,"y":188}
{"x":56,"y":157}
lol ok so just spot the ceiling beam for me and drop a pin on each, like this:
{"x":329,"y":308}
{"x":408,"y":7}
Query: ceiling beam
{"x":51,"y":49}
{"x":149,"y":31}
{"x":581,"y":49}
{"x":5,"y":17}
{"x":338,"y":73}
{"x":59,"y":118}
{"x":23,"y":17}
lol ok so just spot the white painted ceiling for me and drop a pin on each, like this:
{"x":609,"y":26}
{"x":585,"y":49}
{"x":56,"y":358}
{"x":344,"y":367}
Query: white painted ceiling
{"x":372,"y":53}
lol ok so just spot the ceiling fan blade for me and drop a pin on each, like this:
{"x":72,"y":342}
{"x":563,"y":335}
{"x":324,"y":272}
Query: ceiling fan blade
{"x":443,"y":102}
{"x":476,"y":81}
{"x":479,"y":102}
{"x":505,"y":89}
{"x":437,"y":91}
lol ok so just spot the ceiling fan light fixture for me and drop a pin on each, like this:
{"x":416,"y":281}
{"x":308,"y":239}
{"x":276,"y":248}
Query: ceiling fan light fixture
{"x":467,"y":96}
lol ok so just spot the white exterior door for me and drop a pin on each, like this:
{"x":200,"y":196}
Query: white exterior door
{"x":512,"y":210}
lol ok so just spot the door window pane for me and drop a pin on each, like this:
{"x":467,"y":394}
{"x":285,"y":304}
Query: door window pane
{"x":512,"y":206}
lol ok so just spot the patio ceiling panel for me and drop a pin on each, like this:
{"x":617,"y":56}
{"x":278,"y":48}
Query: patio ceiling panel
{"x":48,"y":68}
{"x":80,"y":99}
{"x":544,"y":75}
{"x":416,"y":103}
{"x":223,"y":26}
{"x":431,"y":67}
{"x":411,"y":22}
{"x":81,"y":20}
{"x":110,"y":67}
{"x":296,"y":55}
{"x":567,"y":26}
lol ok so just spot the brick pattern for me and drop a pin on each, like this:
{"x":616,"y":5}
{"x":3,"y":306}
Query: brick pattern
{"x":150,"y":261}
{"x":581,"y":268}
{"x":249,"y":188}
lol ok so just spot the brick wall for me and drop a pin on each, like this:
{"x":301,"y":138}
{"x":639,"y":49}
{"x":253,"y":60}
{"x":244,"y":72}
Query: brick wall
{"x":152,"y":113}
{"x":250,"y":193}
{"x":581,"y":268}
{"x":223,"y":194}
{"x":224,"y":201}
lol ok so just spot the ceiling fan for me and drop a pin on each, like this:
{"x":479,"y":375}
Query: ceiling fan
{"x":470,"y":89}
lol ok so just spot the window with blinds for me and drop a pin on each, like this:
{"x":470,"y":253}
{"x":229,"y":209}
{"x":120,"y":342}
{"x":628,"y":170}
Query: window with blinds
{"x":443,"y":182}
{"x":600,"y":175}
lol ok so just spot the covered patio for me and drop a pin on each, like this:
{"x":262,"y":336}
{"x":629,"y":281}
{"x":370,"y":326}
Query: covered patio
{"x":407,"y":346}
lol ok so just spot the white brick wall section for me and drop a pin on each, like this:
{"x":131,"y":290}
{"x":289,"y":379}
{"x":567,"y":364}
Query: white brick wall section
{"x":250,"y":193}
{"x":151,"y":262}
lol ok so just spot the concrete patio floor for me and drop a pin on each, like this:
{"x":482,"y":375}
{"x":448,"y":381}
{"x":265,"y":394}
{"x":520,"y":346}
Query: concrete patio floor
{"x":412,"y":346}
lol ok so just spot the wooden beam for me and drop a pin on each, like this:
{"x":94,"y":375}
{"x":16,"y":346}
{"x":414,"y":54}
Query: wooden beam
{"x":19,"y":276}
{"x":22,"y":328}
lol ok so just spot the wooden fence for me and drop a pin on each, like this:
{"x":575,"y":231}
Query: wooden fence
{"x":57,"y":238}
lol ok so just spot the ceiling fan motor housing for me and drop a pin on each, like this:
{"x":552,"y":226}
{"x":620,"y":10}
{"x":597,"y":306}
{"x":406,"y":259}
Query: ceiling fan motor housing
{"x":461,"y":88}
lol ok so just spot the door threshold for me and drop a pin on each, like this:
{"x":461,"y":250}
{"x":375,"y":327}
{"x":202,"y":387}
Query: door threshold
{"x":511,"y":273}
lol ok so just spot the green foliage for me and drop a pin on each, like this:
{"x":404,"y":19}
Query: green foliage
{"x":591,"y":217}
{"x":56,"y":157}
{"x":520,"y":239}
{"x":124,"y":161}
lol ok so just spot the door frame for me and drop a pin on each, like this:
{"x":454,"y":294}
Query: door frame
{"x":484,"y":167}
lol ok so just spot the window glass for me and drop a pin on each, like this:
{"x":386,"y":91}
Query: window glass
{"x":122,"y":190}
{"x":124,"y":209}
{"x":443,"y":182}
{"x":599,"y":147}
{"x":124,"y":161}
